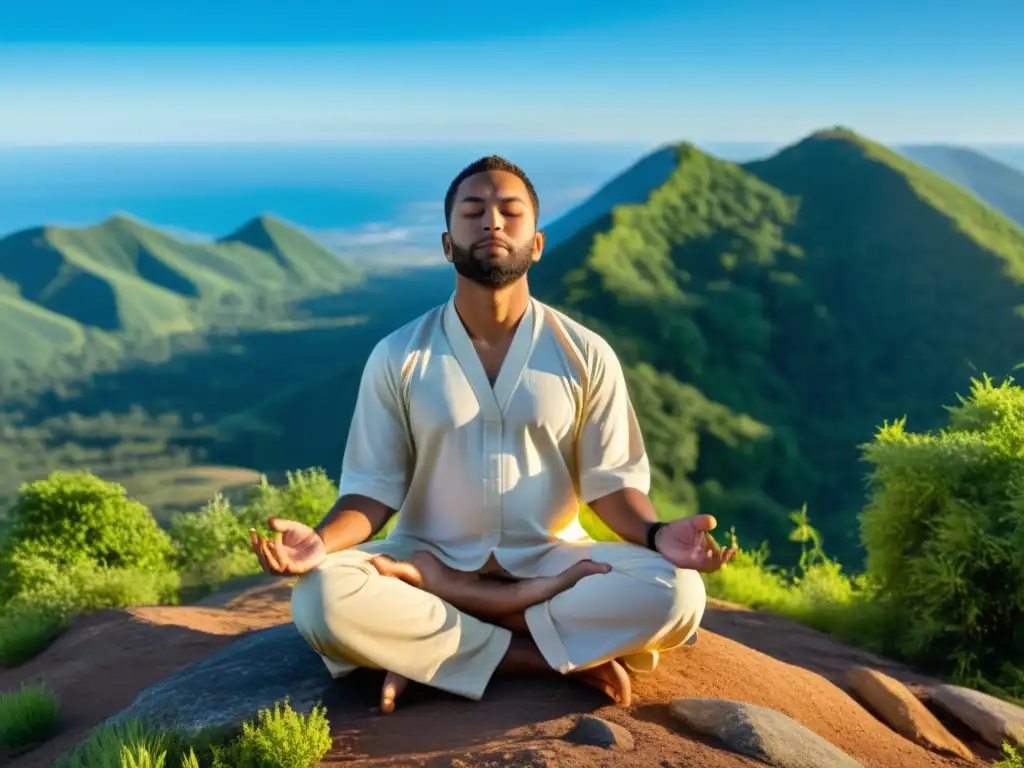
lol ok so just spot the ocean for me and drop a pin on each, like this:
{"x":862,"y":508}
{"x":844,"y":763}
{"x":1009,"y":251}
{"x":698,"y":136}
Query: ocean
{"x":348,"y":195}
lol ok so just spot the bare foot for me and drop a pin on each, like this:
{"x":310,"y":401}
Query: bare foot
{"x":397,"y":569}
{"x":393,"y":687}
{"x":423,"y":570}
{"x":609,"y":678}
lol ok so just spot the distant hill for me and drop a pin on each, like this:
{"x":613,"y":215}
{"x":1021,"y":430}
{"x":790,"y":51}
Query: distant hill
{"x":631,"y":186}
{"x":997,"y":183}
{"x":815,"y":293}
{"x":122,"y":277}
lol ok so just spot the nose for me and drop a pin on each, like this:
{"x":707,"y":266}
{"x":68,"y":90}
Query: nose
{"x":493,"y":221}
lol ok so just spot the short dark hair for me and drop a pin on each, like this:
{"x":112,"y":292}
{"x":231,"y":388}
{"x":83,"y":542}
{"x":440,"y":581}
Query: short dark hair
{"x":483,"y":165}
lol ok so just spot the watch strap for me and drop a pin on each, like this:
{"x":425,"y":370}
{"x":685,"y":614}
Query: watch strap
{"x":652,"y":532}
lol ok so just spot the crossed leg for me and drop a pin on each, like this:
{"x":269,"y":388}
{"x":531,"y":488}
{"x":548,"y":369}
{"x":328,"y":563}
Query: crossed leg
{"x":503,"y":603}
{"x":582,"y":622}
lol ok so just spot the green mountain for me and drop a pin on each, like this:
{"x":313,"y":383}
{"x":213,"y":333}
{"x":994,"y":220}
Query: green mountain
{"x":771,"y":315}
{"x":302,"y":259}
{"x":122,"y":277}
{"x":997,"y":183}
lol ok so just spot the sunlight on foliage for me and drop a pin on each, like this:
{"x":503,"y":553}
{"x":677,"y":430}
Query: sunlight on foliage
{"x":27,"y":717}
{"x":1013,"y":757}
{"x":282,"y":738}
{"x":944,"y":532}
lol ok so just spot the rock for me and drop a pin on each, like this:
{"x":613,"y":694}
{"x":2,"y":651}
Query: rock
{"x":993,"y":719}
{"x":231,"y":685}
{"x":761,"y":733}
{"x":902,"y":711}
{"x":596,"y":732}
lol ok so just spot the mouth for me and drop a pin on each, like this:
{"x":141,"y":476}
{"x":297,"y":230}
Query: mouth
{"x":488,"y":245}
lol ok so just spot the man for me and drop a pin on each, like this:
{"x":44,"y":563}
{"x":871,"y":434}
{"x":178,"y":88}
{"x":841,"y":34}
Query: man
{"x":484,"y":423}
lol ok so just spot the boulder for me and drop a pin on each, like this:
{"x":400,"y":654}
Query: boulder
{"x":901,"y":710}
{"x":761,"y":733}
{"x":231,"y":685}
{"x":993,"y":719}
{"x":596,"y":732}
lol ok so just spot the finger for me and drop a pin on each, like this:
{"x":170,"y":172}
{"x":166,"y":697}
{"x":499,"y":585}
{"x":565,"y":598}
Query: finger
{"x":283,"y":524}
{"x":287,"y":566}
{"x":279,"y":524}
{"x":267,"y":548}
{"x":254,"y":543}
{"x":710,"y":542}
{"x":264,"y":560}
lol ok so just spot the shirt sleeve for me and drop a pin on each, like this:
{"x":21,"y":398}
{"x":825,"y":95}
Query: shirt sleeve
{"x":378,"y":451}
{"x":612,"y":456}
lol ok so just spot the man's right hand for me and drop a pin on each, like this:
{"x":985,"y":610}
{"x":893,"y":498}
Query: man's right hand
{"x":297,"y":548}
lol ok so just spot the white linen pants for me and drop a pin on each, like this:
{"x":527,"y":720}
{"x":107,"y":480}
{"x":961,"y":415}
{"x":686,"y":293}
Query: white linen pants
{"x":354,"y":617}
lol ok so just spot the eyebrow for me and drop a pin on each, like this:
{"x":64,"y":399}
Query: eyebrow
{"x":505,"y":199}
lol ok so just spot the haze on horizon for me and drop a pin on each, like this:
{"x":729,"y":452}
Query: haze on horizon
{"x":197,"y":71}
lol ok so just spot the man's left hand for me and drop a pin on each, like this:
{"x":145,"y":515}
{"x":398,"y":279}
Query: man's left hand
{"x":686,"y":544}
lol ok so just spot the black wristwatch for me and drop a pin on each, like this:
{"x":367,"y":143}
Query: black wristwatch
{"x":652,"y":532}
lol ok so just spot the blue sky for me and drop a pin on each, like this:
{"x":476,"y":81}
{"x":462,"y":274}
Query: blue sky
{"x":654,"y":71}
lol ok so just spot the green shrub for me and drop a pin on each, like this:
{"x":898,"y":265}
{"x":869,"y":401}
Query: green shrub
{"x":306,"y":497}
{"x":1013,"y":757}
{"x":212,"y":545}
{"x":816,"y":592}
{"x":26,"y":630}
{"x":944,"y":533}
{"x":129,"y":744}
{"x":27,"y":717}
{"x":282,"y":738}
{"x":74,"y":516}
{"x":81,"y":586}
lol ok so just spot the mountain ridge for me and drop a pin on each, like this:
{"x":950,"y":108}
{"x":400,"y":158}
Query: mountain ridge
{"x":125,"y":277}
{"x":996,"y":182}
{"x":819,"y":292}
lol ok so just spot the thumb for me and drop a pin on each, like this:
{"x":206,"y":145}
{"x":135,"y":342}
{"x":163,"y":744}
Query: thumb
{"x":281,"y":525}
{"x":704,"y":522}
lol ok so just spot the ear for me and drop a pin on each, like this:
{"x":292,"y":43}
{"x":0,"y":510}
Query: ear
{"x":446,"y":246}
{"x":538,"y":246}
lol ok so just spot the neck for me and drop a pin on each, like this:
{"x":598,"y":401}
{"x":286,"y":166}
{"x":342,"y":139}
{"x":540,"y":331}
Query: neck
{"x":490,"y":314}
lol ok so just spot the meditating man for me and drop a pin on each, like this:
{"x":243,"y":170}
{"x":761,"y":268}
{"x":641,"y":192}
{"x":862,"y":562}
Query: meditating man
{"x":484,"y":424}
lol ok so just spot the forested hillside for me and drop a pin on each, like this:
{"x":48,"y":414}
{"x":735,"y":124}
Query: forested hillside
{"x":88,"y":292}
{"x":788,"y":307}
{"x":999,"y":184}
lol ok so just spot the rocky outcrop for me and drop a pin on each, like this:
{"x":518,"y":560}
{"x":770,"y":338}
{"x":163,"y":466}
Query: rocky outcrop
{"x":994,"y":720}
{"x":764,"y":734}
{"x":229,"y":686}
{"x":902,"y":711}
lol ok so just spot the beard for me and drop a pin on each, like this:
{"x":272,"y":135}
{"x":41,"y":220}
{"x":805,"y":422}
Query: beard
{"x":489,"y":270}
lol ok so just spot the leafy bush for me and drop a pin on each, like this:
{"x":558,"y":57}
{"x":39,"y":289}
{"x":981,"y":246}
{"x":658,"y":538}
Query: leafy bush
{"x":279,"y":739}
{"x":27,"y":717}
{"x":307,"y":496}
{"x":128,"y":744}
{"x":816,"y":592}
{"x":212,"y":545}
{"x":944,"y":533}
{"x":81,"y":586}
{"x":26,"y":630}
{"x":1013,"y":757}
{"x":75,"y":518}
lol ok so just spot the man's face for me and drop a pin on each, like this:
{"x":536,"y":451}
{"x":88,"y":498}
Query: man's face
{"x":492,"y":239}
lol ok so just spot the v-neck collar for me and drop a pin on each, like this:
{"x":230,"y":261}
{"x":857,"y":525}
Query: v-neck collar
{"x":493,"y":400}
